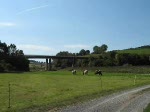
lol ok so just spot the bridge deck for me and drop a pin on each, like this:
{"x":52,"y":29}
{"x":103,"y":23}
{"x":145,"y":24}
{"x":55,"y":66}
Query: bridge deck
{"x":55,"y":57}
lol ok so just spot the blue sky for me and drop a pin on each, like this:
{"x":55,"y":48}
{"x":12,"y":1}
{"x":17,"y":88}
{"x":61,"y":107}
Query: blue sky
{"x":50,"y":26}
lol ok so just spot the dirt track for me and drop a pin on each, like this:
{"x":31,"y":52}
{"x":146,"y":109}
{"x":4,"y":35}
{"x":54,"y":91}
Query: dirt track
{"x":134,"y":100}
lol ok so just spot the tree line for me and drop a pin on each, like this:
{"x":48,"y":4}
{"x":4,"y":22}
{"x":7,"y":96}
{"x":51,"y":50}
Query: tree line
{"x":12,"y":59}
{"x":101,"y":57}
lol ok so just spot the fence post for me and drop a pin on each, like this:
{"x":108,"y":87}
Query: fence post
{"x":8,"y":95}
{"x":101,"y":82}
{"x":134,"y":79}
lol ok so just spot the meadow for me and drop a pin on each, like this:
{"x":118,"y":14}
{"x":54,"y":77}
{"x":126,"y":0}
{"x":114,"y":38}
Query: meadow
{"x":140,"y":51}
{"x":42,"y":91}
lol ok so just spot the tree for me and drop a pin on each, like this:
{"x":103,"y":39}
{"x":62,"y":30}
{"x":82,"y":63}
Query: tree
{"x":82,"y":52}
{"x":19,"y":52}
{"x":63,"y":62}
{"x":87,"y":52}
{"x":3,"y":48}
{"x":104,"y":48}
{"x":12,"y":59}
{"x":95,"y":49}
{"x":12,"y":49}
{"x":100,"y":49}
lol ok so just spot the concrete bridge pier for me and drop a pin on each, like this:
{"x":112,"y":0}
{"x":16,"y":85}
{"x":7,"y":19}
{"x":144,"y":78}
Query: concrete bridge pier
{"x":73,"y":61}
{"x":46,"y":68}
{"x":48,"y":64}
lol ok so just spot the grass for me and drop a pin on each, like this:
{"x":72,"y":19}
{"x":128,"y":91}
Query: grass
{"x":142,"y":51}
{"x":147,"y":108}
{"x":119,"y":69}
{"x":41,"y":91}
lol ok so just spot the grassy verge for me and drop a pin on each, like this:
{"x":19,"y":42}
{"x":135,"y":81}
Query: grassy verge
{"x":42,"y":91}
{"x":147,"y":108}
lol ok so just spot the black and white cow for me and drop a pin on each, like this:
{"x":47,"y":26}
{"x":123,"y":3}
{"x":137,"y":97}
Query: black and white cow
{"x":85,"y":72}
{"x":99,"y":72}
{"x":74,"y":72}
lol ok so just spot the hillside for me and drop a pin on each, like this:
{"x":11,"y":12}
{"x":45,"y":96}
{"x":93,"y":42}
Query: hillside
{"x":137,"y":50}
{"x":145,"y":50}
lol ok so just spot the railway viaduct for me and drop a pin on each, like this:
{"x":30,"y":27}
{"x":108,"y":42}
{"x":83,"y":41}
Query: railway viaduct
{"x":49,"y":58}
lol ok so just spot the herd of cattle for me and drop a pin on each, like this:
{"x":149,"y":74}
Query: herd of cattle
{"x":85,"y":72}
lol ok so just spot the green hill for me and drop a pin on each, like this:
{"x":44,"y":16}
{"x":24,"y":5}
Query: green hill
{"x":145,"y":50}
{"x":137,"y":50}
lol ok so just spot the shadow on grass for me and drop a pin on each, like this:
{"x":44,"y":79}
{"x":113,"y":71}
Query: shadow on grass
{"x":13,"y":72}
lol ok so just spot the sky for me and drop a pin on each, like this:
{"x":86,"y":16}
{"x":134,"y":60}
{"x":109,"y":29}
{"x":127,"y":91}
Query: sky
{"x":46,"y":27}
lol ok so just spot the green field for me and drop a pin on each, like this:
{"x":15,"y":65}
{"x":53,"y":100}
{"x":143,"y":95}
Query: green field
{"x":143,"y":51}
{"x":41,"y":91}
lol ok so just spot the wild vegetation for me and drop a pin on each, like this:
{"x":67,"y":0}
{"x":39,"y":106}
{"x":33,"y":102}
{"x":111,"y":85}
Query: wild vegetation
{"x":101,"y":57}
{"x":41,"y":91}
{"x":12,"y":59}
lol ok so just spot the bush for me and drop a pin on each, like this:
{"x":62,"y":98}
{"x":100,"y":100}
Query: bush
{"x":1,"y":68}
{"x":9,"y":67}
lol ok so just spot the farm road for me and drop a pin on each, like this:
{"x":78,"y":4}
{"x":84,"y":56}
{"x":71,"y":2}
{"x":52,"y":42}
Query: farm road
{"x":134,"y":100}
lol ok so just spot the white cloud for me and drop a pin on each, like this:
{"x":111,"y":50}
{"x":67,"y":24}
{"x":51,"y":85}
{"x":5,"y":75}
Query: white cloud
{"x":6,"y":24}
{"x":36,"y":49}
{"x":31,"y":9}
{"x":77,"y":46}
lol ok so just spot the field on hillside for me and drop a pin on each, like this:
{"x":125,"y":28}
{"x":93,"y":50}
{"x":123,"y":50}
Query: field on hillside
{"x":41,"y":91}
{"x":136,"y":51}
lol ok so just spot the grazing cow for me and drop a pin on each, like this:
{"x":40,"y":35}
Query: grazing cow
{"x":85,"y":72}
{"x":74,"y":72}
{"x":99,"y":72}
